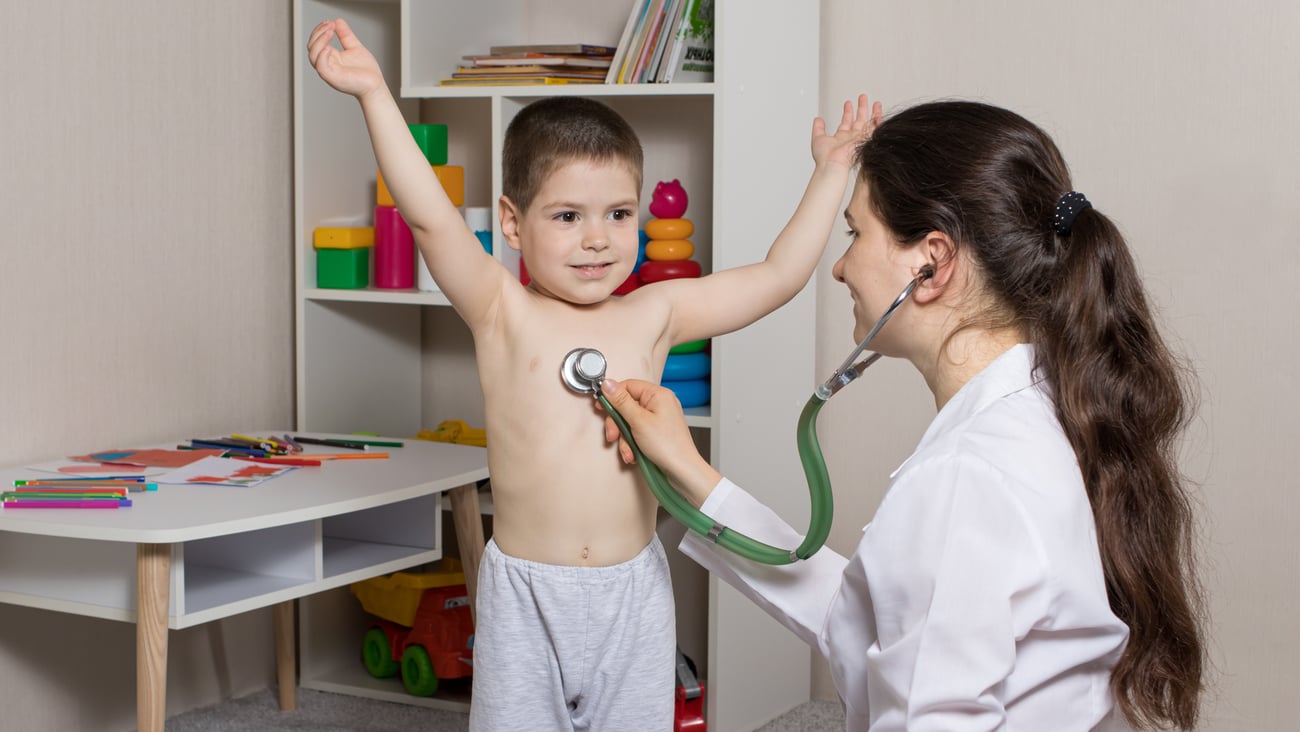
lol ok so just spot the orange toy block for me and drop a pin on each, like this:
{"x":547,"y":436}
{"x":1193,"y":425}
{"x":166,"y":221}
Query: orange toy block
{"x":452,"y":178}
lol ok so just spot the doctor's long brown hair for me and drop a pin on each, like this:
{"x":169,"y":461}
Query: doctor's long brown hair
{"x":991,"y":180}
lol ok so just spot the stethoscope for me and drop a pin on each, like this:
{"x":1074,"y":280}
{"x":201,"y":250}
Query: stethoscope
{"x":583,"y":370}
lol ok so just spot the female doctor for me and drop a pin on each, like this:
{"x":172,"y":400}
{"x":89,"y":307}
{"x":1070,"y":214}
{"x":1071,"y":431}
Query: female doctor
{"x":1030,"y":566}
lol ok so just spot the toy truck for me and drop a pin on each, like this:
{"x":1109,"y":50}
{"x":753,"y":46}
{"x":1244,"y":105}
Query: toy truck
{"x":421,"y":627}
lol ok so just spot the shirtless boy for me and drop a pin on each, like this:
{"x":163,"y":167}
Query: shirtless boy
{"x":574,"y":606}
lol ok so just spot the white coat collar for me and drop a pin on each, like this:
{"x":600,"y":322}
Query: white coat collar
{"x":1007,"y":374}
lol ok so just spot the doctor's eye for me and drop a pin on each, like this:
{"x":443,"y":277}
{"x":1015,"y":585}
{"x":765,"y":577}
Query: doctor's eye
{"x":851,"y":234}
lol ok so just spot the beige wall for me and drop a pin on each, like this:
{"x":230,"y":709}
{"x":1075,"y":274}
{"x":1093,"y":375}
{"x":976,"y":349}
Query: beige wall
{"x":145,"y":291}
{"x":1179,"y":120}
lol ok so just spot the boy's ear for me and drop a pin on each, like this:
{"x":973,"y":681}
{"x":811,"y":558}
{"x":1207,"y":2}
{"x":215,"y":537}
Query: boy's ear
{"x":509,"y":214}
{"x":939,"y":253}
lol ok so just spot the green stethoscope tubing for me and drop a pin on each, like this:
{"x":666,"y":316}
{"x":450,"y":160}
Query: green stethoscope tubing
{"x":819,"y":488}
{"x":584,"y":376}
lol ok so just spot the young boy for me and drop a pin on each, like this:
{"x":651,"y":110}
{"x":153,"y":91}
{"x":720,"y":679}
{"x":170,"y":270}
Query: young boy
{"x":575,"y":613}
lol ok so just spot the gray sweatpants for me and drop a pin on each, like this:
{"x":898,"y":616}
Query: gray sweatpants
{"x":574,"y":648}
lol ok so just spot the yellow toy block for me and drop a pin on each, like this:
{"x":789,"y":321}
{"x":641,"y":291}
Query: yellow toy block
{"x":452,"y":178}
{"x":343,"y":237}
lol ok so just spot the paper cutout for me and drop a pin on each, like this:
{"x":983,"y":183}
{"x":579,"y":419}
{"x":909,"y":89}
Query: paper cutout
{"x":223,"y":471}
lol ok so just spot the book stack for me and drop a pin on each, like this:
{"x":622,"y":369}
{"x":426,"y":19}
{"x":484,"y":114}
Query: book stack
{"x":665,"y":41}
{"x":544,"y":64}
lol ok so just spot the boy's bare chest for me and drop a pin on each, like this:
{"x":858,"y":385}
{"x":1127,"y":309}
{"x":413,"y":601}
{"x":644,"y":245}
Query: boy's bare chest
{"x":532,"y":349}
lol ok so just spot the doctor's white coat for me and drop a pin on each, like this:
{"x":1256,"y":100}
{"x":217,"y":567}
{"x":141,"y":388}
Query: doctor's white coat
{"x":975,"y":599}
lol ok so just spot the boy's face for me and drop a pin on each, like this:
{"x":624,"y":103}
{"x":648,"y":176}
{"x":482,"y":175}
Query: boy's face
{"x":579,"y":237}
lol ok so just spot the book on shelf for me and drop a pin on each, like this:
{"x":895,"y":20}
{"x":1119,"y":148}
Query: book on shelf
{"x":530,"y":70}
{"x":573,"y":49}
{"x":691,"y":59}
{"x":537,"y":80}
{"x":620,"y":51}
{"x":540,"y":59}
{"x":649,"y":41}
{"x":665,"y":41}
{"x":671,"y":26}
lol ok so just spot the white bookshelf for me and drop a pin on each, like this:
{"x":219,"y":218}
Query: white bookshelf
{"x":395,"y":362}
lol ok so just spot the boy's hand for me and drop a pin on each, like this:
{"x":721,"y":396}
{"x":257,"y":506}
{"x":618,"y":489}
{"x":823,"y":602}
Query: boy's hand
{"x":855,"y":126}
{"x":352,"y":70}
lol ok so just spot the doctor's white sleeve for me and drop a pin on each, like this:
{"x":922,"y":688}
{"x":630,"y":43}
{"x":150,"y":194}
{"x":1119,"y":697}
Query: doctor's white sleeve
{"x":798,"y":595}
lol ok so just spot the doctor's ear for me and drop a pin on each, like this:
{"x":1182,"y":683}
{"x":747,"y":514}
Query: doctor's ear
{"x":938,"y":256}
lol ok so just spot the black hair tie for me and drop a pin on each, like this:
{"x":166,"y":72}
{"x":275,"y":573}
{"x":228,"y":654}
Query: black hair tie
{"x":1067,"y":208}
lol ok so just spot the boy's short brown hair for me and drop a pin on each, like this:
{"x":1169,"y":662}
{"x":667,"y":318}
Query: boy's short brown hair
{"x":557,"y":130}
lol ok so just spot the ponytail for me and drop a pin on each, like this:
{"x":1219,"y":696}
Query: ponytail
{"x":1122,"y":402}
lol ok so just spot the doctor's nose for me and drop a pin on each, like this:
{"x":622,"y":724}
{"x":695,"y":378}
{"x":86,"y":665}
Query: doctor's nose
{"x":837,"y":271}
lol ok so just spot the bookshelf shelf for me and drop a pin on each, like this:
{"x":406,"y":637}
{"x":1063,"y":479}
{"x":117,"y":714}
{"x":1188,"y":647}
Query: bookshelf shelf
{"x":370,"y":294}
{"x":395,"y":362}
{"x":586,"y":90}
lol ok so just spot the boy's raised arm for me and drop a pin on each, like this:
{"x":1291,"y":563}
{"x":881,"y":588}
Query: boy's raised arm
{"x":709,"y":306}
{"x":465,"y":273}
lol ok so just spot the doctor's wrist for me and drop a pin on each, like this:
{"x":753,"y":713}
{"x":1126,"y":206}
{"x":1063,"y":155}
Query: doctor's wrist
{"x":696,"y":480}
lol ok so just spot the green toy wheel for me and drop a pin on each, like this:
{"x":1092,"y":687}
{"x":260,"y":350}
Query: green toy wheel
{"x":417,"y":672}
{"x":377,"y":656}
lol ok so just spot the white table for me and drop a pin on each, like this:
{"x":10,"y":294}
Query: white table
{"x":189,"y":554}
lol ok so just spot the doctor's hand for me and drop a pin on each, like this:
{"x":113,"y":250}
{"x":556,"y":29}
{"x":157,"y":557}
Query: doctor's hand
{"x":655,"y":418}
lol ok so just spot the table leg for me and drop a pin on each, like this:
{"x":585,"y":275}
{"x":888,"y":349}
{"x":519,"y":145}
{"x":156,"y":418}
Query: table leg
{"x":286,"y":666}
{"x":152,"y":595}
{"x":468,"y":520}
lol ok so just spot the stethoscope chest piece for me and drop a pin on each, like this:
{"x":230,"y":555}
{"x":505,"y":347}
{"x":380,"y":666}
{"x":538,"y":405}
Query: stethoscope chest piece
{"x":583,"y":370}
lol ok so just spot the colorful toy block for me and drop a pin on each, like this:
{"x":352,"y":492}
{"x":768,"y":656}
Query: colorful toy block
{"x":343,"y":256}
{"x":452,"y":178}
{"x":432,"y":140}
{"x":345,"y":269}
{"x":394,"y":250}
{"x":343,"y":237}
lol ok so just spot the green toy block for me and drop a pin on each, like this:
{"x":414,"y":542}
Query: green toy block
{"x":347,"y":269}
{"x":432,"y":139}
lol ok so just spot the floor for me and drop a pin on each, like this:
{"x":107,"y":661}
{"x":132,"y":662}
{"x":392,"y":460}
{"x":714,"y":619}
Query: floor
{"x":325,"y":712}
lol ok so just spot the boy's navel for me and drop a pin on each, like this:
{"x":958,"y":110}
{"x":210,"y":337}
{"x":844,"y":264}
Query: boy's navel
{"x":534,"y":363}
{"x":585,"y":552}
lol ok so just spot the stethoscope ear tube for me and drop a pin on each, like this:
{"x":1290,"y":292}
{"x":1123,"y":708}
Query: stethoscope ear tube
{"x":819,"y":487}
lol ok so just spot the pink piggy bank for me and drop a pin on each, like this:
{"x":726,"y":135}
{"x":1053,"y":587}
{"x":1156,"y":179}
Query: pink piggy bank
{"x":669,"y":200}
